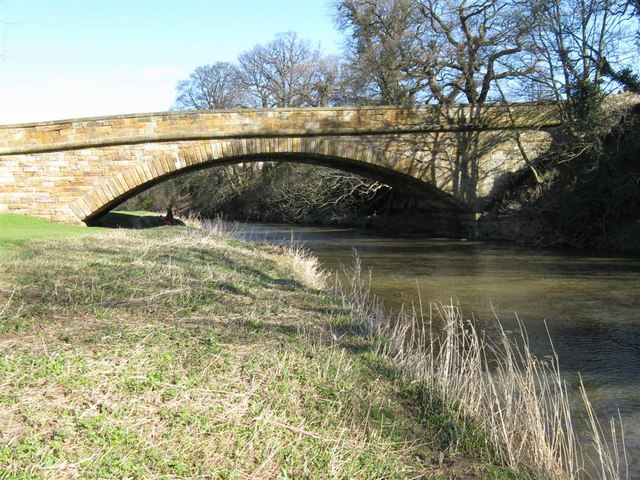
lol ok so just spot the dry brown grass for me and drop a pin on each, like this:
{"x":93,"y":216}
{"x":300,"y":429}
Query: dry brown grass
{"x":498,"y":393}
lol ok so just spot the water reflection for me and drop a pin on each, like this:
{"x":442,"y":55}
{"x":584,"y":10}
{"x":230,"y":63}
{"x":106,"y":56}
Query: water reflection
{"x":588,"y":302}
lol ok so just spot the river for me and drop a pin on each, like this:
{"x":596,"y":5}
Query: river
{"x":588,"y":301}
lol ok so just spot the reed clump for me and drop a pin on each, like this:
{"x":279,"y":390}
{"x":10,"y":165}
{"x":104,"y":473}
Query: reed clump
{"x":503,"y":398}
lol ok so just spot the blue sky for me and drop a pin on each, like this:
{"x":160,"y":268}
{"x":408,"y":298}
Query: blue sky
{"x":75,"y":58}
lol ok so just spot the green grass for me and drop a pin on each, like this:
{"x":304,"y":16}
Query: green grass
{"x":18,"y":229}
{"x":168,"y":353}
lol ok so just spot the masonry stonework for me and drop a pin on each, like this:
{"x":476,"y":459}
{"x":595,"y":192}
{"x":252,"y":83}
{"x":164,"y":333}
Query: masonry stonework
{"x":74,"y":170}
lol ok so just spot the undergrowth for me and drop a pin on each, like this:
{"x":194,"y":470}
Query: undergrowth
{"x":590,"y":194}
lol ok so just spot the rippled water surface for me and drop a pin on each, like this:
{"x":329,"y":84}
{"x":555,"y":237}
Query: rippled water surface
{"x":589,"y":302}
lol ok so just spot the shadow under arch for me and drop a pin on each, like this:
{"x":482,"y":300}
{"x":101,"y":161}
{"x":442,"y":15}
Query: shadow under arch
{"x":393,"y":168}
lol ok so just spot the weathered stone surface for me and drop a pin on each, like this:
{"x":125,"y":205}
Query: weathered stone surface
{"x":73,"y":170}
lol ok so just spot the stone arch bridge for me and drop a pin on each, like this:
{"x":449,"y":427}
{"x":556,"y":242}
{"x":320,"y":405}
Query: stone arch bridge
{"x":76,"y":170}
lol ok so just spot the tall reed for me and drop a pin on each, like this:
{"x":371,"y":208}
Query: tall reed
{"x":518,"y":401}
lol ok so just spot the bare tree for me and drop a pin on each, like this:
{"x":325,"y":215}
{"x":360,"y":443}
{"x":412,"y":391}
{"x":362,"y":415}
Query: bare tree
{"x":325,"y":86}
{"x":579,"y":42}
{"x":290,"y":72}
{"x":469,"y":46}
{"x":210,"y":87}
{"x":444,"y":52}
{"x":383,"y":51}
{"x":300,"y":192}
{"x":287,"y":72}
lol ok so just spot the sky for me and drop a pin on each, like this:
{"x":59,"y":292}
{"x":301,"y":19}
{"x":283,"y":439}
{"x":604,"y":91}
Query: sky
{"x":79,"y":58}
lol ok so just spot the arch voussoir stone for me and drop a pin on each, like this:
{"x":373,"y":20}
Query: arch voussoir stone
{"x":106,"y":192}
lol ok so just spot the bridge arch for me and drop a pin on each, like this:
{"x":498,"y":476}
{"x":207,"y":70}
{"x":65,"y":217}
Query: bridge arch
{"x":359,"y":157}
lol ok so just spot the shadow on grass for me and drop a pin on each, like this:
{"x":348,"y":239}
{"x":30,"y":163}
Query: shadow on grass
{"x":131,"y":220}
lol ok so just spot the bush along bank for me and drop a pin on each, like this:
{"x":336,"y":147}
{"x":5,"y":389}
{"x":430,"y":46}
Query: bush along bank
{"x":184,"y":353}
{"x":588,"y":193}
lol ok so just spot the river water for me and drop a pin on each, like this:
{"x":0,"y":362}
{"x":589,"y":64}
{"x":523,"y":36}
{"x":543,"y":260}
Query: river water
{"x":588,"y":301}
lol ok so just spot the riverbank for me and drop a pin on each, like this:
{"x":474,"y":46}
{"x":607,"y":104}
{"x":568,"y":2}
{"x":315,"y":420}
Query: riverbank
{"x":172,"y":352}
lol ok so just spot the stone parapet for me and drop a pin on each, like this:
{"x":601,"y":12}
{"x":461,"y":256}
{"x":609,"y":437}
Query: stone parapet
{"x":250,"y":123}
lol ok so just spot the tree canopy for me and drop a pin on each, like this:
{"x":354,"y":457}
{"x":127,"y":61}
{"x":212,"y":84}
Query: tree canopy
{"x":408,"y":52}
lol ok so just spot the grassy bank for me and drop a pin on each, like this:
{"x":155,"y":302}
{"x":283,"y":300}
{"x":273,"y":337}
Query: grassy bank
{"x":170,"y":353}
{"x":185,"y":353}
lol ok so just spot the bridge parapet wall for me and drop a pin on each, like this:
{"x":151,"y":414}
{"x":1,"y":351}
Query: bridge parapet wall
{"x":248,"y":123}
